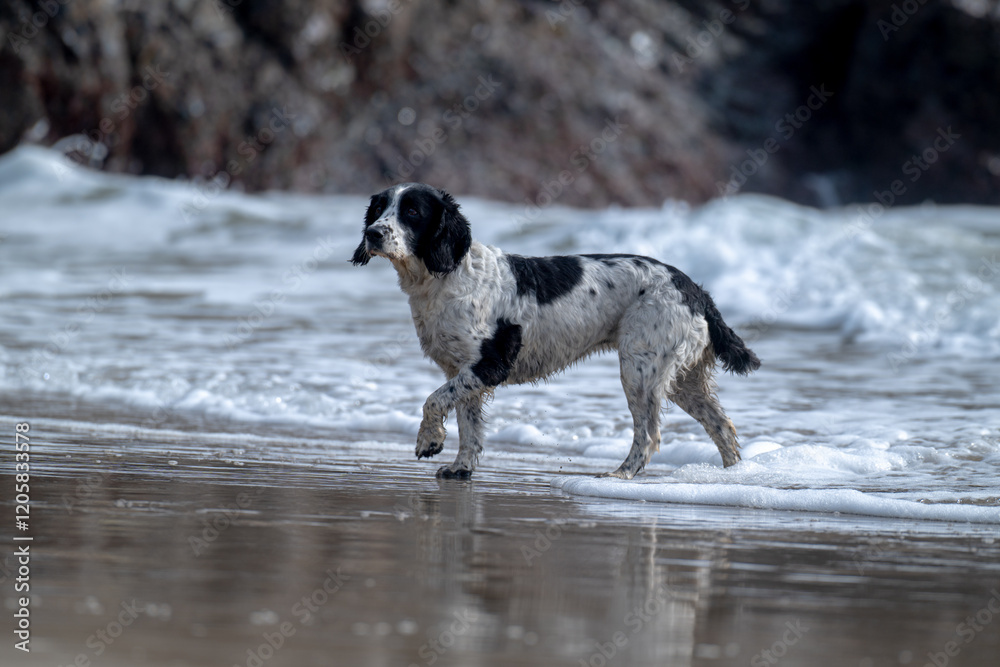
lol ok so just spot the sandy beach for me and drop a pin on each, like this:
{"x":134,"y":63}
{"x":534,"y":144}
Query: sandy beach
{"x":193,"y":549}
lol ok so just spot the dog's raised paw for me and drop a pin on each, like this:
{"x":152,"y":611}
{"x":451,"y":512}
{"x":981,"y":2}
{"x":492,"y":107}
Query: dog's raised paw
{"x":429,"y":449}
{"x":430,"y":438}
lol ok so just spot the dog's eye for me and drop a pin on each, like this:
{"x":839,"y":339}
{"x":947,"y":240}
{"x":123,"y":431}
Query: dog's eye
{"x":377,"y":211}
{"x":411,"y":212}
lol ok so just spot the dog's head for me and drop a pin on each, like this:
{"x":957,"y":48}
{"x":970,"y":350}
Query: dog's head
{"x":415,"y":221}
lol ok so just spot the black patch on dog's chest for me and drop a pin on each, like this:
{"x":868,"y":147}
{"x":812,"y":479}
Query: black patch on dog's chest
{"x":498,"y":354}
{"x":548,"y":278}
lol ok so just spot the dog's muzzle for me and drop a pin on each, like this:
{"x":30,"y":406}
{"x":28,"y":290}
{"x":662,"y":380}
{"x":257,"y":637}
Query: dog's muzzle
{"x":373,"y":237}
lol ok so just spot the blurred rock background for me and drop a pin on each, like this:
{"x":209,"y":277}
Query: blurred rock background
{"x":627,"y":102}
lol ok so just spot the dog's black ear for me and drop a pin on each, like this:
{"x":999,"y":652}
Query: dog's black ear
{"x":444,"y":247}
{"x":361,"y":256}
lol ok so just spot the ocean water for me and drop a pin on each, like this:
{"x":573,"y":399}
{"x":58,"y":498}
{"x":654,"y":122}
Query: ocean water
{"x":148,"y":301}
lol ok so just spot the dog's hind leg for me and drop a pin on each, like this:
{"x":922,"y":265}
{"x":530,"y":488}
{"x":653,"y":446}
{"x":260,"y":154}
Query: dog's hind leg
{"x":642,"y":379}
{"x":470,"y":439}
{"x":694,"y":392}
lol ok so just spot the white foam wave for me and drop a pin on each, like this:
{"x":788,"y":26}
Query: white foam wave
{"x":844,"y":501}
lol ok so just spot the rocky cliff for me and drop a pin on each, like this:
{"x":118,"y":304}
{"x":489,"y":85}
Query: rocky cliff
{"x":582,"y":102}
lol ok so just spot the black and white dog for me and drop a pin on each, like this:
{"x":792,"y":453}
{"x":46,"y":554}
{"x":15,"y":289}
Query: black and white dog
{"x":489,"y":318}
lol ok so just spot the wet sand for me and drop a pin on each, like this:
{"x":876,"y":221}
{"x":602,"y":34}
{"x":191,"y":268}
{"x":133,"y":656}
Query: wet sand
{"x":194,"y":548}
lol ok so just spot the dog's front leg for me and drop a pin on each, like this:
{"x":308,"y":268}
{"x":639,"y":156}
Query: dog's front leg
{"x":462,"y":388}
{"x":465,"y":390}
{"x":470,"y":439}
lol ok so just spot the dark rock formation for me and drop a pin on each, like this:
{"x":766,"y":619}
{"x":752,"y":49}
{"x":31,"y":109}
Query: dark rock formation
{"x":902,"y":73}
{"x":581,"y":102}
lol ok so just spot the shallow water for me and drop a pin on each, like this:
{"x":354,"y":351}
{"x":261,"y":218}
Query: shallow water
{"x":172,"y":351}
{"x":879,"y":335}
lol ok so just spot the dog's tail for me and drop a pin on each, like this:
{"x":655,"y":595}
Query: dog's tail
{"x":728,"y":346}
{"x":735,"y":355}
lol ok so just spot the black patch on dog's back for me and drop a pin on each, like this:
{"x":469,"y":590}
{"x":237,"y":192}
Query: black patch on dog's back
{"x":607,"y":260}
{"x":548,"y":278}
{"x":498,"y":354}
{"x":612,"y":259}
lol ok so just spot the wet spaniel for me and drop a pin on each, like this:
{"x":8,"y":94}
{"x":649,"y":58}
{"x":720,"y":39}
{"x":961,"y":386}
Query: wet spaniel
{"x":490,"y":318}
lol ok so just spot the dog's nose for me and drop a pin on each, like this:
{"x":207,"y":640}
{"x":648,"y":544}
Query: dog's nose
{"x":373,"y":234}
